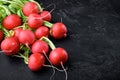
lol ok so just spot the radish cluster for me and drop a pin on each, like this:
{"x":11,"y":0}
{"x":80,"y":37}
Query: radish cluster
{"x":25,"y":30}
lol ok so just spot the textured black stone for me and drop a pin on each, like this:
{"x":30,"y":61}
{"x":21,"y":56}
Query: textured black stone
{"x":93,"y":42}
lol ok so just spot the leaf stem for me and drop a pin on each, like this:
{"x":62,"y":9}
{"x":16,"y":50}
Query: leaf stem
{"x":50,"y":43}
{"x":12,"y":2}
{"x":47,"y":24}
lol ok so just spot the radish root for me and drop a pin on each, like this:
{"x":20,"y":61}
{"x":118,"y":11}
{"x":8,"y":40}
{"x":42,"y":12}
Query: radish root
{"x":64,"y":71}
{"x":50,"y":64}
{"x":28,"y":47}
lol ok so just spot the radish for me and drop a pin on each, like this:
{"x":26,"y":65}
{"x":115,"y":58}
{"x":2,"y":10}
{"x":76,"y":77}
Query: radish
{"x":41,"y":31}
{"x":1,"y":35}
{"x":58,"y":30}
{"x":17,"y":32}
{"x":58,"y":56}
{"x":36,"y":61}
{"x":30,"y":7}
{"x":34,"y":20}
{"x":10,"y":46}
{"x":12,"y":21}
{"x":26,"y":37}
{"x":39,"y":46}
{"x":46,"y":15}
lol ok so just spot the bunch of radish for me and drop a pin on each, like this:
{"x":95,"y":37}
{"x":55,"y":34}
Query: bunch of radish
{"x":25,"y":28}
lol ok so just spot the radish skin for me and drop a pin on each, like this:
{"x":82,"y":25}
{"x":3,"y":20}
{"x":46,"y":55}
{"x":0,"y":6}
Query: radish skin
{"x":39,"y":46}
{"x":26,"y":37}
{"x":34,"y":21}
{"x":30,"y":7}
{"x":42,"y":31}
{"x":12,"y":21}
{"x":46,"y":15}
{"x":1,"y":35}
{"x":36,"y":61}
{"x":10,"y":46}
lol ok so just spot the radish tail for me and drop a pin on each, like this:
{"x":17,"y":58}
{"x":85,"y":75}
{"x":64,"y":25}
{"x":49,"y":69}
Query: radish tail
{"x":28,"y":47}
{"x":50,"y":64}
{"x":66,"y":74}
{"x":54,"y":68}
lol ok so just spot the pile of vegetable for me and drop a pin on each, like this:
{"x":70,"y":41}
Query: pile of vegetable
{"x":25,"y":28}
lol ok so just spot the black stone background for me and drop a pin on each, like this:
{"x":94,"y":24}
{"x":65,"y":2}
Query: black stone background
{"x":93,"y":42}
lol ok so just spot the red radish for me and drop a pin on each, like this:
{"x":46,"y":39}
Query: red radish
{"x":46,"y":15}
{"x":10,"y":46}
{"x":39,"y":46}
{"x":58,"y":30}
{"x":1,"y":35}
{"x":58,"y":56}
{"x":34,"y":20}
{"x":17,"y":32}
{"x":12,"y":21}
{"x":42,"y":31}
{"x":30,"y":7}
{"x":36,"y":61}
{"x":26,"y":37}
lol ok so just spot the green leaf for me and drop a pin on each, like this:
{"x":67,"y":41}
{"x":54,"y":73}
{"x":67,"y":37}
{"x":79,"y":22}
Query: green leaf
{"x":12,"y":9}
{"x":6,"y":32}
{"x":19,"y":1}
{"x":6,"y":9}
{"x":1,"y":26}
{"x":2,"y":14}
{"x":19,"y":13}
{"x":3,"y":2}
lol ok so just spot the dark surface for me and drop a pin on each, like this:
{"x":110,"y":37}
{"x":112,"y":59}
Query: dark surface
{"x":93,"y":43}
